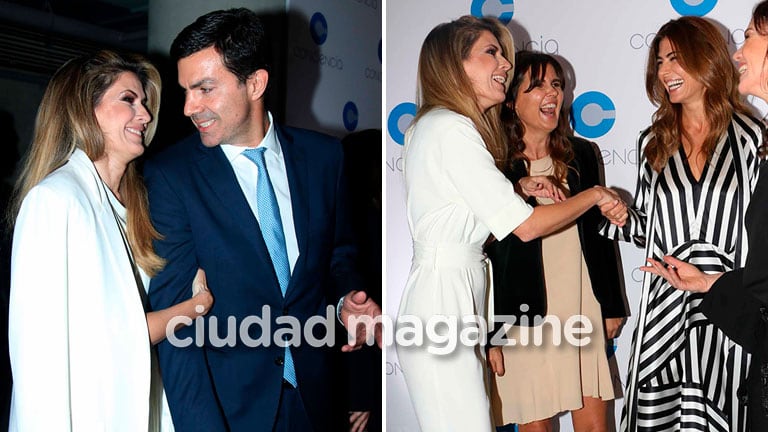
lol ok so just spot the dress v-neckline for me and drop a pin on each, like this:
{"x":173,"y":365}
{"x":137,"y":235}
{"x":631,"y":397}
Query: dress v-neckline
{"x":697,"y":185}
{"x":689,"y":171}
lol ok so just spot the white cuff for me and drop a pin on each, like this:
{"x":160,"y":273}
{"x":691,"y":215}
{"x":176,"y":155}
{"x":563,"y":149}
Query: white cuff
{"x":340,"y":305}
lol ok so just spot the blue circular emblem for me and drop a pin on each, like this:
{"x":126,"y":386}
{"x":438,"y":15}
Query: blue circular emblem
{"x":318,"y":28}
{"x":350,"y":116}
{"x":402,"y":113}
{"x":693,"y":7}
{"x":593,"y":114}
{"x":505,"y":14}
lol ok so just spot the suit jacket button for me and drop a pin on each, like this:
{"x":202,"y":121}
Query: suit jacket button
{"x":279,"y":361}
{"x":285,"y":311}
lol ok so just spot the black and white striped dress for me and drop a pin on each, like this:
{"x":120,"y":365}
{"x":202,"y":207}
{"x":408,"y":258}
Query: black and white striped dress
{"x":684,"y":373}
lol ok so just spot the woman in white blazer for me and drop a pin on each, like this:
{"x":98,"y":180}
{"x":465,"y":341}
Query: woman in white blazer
{"x":80,"y":335}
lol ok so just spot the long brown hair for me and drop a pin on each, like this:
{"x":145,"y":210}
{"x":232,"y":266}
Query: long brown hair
{"x":443,"y":83}
{"x":691,"y":36}
{"x":66,"y":120}
{"x":560,"y":149}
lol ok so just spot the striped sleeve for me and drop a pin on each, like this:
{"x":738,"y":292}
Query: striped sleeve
{"x":751,"y":133}
{"x":634,"y":229}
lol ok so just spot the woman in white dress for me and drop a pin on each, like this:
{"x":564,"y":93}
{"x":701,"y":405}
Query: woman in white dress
{"x":456,"y":197}
{"x":79,"y":332}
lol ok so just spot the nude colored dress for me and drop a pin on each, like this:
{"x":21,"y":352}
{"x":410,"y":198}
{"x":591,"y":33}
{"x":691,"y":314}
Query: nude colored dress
{"x":542,"y":379}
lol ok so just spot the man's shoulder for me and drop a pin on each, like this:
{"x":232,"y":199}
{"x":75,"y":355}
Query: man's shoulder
{"x":317,"y":146}
{"x":307,"y":137}
{"x":177,"y":153}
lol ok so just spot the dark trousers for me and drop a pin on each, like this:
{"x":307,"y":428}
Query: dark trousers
{"x":291,"y":415}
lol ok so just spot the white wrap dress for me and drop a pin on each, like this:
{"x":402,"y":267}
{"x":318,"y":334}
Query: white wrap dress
{"x":456,"y":197}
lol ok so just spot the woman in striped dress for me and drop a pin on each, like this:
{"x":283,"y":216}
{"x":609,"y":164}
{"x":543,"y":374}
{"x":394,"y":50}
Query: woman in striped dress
{"x":697,"y":170}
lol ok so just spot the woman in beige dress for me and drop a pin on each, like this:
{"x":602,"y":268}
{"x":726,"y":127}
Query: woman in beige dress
{"x":571,"y":272}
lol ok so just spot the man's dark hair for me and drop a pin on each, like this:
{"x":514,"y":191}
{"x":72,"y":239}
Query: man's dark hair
{"x":236,"y":34}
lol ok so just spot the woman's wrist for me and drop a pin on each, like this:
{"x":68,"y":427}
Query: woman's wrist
{"x":710,"y":279}
{"x":597,"y":194}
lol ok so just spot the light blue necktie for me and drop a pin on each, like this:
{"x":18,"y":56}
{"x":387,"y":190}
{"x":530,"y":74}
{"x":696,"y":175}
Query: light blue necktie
{"x":272,"y":231}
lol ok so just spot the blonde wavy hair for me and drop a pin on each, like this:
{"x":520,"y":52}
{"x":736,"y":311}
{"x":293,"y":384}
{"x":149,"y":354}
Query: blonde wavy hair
{"x":443,"y":83}
{"x":66,"y":121}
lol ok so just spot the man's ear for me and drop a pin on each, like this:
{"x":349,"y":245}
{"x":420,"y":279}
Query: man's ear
{"x":257,"y":84}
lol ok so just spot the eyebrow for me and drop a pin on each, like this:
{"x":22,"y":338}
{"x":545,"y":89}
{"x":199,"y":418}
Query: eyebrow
{"x":134,"y":94}
{"x":200,"y":83}
{"x":671,"y":53}
{"x":144,"y":99}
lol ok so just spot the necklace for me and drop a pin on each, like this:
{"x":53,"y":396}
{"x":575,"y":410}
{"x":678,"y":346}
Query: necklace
{"x":126,"y":244}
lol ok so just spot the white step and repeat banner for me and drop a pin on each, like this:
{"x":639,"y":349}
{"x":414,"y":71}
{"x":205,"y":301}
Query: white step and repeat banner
{"x":334,"y":65}
{"x":604,"y":43}
{"x":333,"y":55}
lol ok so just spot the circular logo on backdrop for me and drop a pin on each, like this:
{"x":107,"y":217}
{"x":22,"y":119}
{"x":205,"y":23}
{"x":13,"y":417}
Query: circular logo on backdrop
{"x":501,"y":9}
{"x":399,"y":119}
{"x":693,"y":7}
{"x":593,"y":114}
{"x":350,"y":116}
{"x":318,"y":28}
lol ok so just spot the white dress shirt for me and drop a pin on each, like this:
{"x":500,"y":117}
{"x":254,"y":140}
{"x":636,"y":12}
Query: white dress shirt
{"x":247,"y":175}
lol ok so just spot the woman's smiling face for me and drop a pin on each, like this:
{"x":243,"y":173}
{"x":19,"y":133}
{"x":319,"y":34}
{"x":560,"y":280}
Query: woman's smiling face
{"x":487,"y":70}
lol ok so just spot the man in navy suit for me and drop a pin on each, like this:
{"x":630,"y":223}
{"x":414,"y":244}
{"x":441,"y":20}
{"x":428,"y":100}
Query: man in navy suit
{"x":206,"y":204}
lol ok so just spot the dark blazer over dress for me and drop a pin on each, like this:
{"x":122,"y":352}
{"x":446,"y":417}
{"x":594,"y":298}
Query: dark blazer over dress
{"x":518,"y":272}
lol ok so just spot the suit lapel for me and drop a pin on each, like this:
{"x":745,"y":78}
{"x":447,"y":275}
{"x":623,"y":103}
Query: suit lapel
{"x":217,"y":172}
{"x":296,"y":167}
